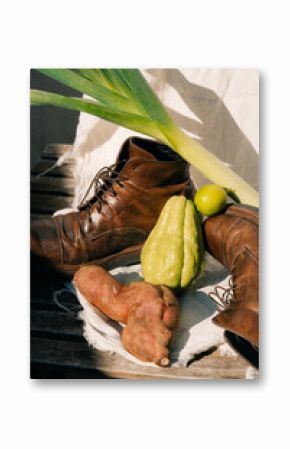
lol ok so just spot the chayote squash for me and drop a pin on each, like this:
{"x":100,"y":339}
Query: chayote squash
{"x":173,"y":253}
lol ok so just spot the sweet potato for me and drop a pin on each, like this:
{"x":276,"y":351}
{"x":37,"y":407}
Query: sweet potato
{"x":103,"y":291}
{"x":150,"y":312}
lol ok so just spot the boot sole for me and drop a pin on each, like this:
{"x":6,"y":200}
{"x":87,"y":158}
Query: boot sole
{"x":243,"y":347}
{"x":128,"y":256}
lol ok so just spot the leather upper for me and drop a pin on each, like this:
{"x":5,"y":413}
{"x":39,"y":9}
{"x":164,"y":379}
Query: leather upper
{"x":233,"y":238}
{"x":123,"y":215}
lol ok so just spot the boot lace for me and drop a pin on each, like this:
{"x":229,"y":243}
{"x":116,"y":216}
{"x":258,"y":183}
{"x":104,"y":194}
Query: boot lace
{"x":223,"y":296}
{"x":103,"y":181}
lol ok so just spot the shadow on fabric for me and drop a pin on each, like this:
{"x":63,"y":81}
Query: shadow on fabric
{"x":219,"y":132}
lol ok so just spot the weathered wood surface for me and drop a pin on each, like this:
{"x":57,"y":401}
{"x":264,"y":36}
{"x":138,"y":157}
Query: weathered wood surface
{"x":50,"y":185}
{"x":77,"y":354}
{"x":58,"y":349}
{"x":49,"y":204}
{"x":55,"y":150}
{"x":38,"y":215}
{"x":55,"y":323}
{"x":53,"y":190}
{"x":63,"y":171}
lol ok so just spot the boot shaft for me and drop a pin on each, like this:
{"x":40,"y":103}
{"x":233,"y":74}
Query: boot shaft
{"x":226,"y":233}
{"x":233,"y":238}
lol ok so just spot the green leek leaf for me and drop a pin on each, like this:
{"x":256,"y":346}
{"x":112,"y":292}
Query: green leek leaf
{"x":117,"y":83}
{"x":145,"y":96}
{"x":97,"y":77}
{"x":94,"y":90}
{"x":128,"y":120}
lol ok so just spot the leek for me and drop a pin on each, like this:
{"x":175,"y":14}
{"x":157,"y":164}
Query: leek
{"x":124,"y":97}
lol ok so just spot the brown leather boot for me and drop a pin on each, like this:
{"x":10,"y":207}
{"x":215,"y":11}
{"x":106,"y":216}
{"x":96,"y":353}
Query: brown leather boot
{"x":233,"y":239}
{"x":110,"y":229}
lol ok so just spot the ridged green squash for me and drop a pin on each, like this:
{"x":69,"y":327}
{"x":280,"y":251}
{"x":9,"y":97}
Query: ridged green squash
{"x":173,"y":253}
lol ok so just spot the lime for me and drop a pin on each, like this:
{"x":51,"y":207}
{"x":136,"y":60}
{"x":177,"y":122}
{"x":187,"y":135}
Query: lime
{"x":210,"y":199}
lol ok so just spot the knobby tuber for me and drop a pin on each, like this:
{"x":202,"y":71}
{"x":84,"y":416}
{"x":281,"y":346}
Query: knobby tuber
{"x":150,"y":312}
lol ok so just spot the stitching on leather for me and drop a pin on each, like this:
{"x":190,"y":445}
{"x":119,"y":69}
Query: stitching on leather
{"x":59,"y":239}
{"x":251,"y":218}
{"x":226,"y":237}
{"x":115,"y":230}
{"x":251,"y":255}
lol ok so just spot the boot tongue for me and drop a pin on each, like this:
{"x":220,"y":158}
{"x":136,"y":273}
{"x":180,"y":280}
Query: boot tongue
{"x":136,"y":151}
{"x":131,"y":151}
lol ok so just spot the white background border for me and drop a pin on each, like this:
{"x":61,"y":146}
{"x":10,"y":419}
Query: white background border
{"x":86,"y":414}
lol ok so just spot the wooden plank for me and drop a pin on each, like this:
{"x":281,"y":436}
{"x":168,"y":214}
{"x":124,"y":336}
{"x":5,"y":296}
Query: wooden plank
{"x":49,"y":371}
{"x":45,"y":304}
{"x":65,"y":171}
{"x":68,"y":353}
{"x":40,"y":216}
{"x":61,"y":353}
{"x":53,"y":185}
{"x":49,"y":203}
{"x":208,"y":367}
{"x":42,"y":299}
{"x":55,"y":322}
{"x":55,"y":150}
